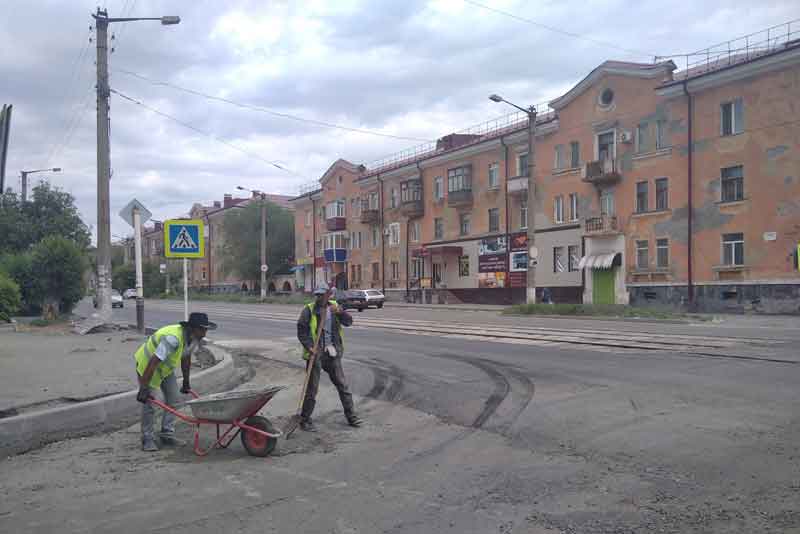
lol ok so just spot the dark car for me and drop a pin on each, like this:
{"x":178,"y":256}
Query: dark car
{"x":360,"y":299}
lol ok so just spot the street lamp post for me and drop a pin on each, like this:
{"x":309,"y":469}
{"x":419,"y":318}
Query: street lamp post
{"x":24,"y":177}
{"x":102,"y":20}
{"x":530,"y":295}
{"x":264,"y":265}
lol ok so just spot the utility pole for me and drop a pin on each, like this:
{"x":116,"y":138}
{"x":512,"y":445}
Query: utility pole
{"x":264,"y":266}
{"x":137,"y":237}
{"x":24,"y":180}
{"x":103,"y":171}
{"x":532,"y":250}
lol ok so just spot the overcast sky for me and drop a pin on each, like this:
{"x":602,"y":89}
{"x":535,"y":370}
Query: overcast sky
{"x":407,"y":68}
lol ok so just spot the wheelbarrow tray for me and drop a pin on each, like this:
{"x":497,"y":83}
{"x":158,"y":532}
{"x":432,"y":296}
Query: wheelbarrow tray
{"x":232,"y":405}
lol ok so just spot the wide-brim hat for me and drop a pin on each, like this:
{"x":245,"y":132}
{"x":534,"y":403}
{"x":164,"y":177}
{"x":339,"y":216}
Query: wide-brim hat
{"x":199,"y":320}
{"x":320,"y":290}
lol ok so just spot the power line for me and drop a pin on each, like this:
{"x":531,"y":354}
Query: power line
{"x":558,"y":30}
{"x":205,"y":133}
{"x":77,"y":120}
{"x":268,"y":111}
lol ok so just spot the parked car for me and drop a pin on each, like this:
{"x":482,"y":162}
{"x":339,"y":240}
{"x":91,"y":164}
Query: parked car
{"x":129,"y":294}
{"x":116,"y":300}
{"x":360,"y":299}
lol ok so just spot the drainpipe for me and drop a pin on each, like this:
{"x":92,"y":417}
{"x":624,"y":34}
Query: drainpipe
{"x":313,"y":245}
{"x":508,"y":234}
{"x":383,"y":238}
{"x":690,"y":218}
{"x":408,"y":226}
{"x":210,"y":241}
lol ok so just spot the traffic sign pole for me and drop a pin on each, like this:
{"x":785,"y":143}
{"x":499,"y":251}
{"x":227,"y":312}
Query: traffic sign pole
{"x":137,"y":237}
{"x":185,"y":289}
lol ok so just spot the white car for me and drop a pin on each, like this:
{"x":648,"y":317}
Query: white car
{"x":129,"y":294}
{"x":116,"y":300}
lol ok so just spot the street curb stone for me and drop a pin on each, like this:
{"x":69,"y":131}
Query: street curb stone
{"x":29,"y":431}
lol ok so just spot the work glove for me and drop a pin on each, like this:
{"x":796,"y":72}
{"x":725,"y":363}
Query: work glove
{"x":144,"y":394}
{"x":186,"y":388}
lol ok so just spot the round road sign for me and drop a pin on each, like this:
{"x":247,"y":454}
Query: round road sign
{"x":264,"y":268}
{"x":533,"y":252}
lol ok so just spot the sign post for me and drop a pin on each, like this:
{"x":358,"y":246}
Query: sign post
{"x":184,"y":238}
{"x":136,"y":214}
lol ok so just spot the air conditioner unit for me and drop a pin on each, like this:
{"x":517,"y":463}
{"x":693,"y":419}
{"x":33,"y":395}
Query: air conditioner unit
{"x":387,"y":232}
{"x":626,"y":136}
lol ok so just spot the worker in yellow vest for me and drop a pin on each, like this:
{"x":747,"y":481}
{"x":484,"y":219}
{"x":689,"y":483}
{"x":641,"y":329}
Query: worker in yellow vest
{"x":156,"y":361}
{"x":330,"y":350}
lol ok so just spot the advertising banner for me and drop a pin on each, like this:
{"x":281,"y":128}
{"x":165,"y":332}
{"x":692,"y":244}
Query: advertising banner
{"x":518,"y":275}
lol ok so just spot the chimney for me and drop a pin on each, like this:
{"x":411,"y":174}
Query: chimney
{"x":217,"y":204}
{"x":227,"y":200}
{"x":449,"y":142}
{"x":159,"y":225}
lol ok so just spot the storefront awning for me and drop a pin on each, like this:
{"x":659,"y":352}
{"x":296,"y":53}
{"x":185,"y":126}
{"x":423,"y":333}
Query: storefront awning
{"x":438,"y":250}
{"x":600,"y":261}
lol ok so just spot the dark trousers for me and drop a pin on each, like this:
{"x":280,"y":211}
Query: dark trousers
{"x":332,"y":366}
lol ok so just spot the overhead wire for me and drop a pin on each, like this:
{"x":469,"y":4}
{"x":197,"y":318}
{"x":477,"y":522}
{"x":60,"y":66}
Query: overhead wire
{"x":260,"y":109}
{"x":185,"y":124}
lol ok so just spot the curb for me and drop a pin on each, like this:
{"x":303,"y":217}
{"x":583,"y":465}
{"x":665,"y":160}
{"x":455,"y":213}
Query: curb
{"x":23,"y":433}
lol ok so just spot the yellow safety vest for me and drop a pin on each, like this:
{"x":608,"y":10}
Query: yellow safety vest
{"x":313,"y":325}
{"x":148,"y":349}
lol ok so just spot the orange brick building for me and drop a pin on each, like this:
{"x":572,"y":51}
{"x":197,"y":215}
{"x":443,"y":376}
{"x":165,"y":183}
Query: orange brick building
{"x":625,"y":211}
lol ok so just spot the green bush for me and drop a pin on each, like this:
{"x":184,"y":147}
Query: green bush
{"x":9,"y":298}
{"x":19,"y":268}
{"x":58,"y":266}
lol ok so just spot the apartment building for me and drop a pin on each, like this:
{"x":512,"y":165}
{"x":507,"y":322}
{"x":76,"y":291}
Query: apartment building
{"x":654,"y":185}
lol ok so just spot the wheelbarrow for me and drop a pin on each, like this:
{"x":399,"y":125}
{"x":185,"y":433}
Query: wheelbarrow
{"x":237,"y":410}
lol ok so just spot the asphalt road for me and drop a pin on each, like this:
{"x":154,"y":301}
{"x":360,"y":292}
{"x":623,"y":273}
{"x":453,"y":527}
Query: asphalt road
{"x":476,"y":423}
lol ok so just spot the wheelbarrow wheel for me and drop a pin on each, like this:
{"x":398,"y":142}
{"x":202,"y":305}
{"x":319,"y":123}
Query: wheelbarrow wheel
{"x":257,"y":444}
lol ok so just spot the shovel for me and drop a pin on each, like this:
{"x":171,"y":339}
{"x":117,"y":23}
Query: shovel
{"x":294,"y":422}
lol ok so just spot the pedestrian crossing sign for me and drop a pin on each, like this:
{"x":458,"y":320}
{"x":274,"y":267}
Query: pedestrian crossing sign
{"x":183,"y":238}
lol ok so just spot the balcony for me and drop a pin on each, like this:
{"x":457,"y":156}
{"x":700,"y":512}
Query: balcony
{"x":603,"y":225}
{"x":334,"y":255}
{"x":518,"y":186}
{"x":601,"y":172}
{"x":411,"y":198}
{"x":459,"y":198}
{"x":334,"y":224}
{"x":369,"y":216}
{"x":412,"y":208}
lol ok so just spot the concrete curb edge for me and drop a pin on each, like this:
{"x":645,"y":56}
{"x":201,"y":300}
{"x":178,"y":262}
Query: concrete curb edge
{"x":29,"y":431}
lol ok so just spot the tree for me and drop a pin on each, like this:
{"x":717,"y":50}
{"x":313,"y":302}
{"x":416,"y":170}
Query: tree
{"x":9,"y":298}
{"x":58,"y":266}
{"x":242,"y":245}
{"x":50,"y":212}
{"x":19,"y":268}
{"x":124,"y":277}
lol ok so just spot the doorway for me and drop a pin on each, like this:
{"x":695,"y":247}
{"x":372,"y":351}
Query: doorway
{"x":603,"y":286}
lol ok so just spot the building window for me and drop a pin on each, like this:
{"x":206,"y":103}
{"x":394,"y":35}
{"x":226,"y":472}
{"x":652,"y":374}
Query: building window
{"x":643,"y":137}
{"x":662,"y":194}
{"x":662,"y":252}
{"x":464,"y":223}
{"x":459,"y":179}
{"x":605,"y":146}
{"x":642,"y":253}
{"x":661,"y":130}
{"x":394,"y":234}
{"x":438,"y":228}
{"x":522,"y":165}
{"x":411,"y":191}
{"x":641,"y":197}
{"x":523,"y":214}
{"x":573,"y":258}
{"x":335,"y":209}
{"x":373,"y":201}
{"x":203,"y":274}
{"x":732,"y":184}
{"x":733,"y":249}
{"x":494,"y":220}
{"x":393,"y":198}
{"x":438,"y":188}
{"x":463,"y":266}
{"x":413,"y":231}
{"x":574,"y":154}
{"x":494,"y":175}
{"x":560,"y":158}
{"x":558,"y":209}
{"x":308,"y":218}
{"x":308,"y":247}
{"x":358,"y":272}
{"x":437,"y":273}
{"x":558,"y":259}
{"x":352,"y":274}
{"x":395,"y":270}
{"x":607,"y":203}
{"x":573,"y":207}
{"x":376,"y":272}
{"x":417,"y":266}
{"x":374,"y":237}
{"x":731,"y":117}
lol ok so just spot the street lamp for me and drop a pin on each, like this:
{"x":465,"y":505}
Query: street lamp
{"x":24,"y":176}
{"x":102,"y":20}
{"x":532,"y":250}
{"x":264,"y":266}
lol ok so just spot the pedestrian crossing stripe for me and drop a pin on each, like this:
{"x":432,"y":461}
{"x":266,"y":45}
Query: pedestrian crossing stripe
{"x":184,"y":238}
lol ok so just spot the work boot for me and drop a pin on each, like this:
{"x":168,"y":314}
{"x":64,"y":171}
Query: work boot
{"x":149,"y":445}
{"x":171,"y":441}
{"x":354,"y":421}
{"x":307,"y":425}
